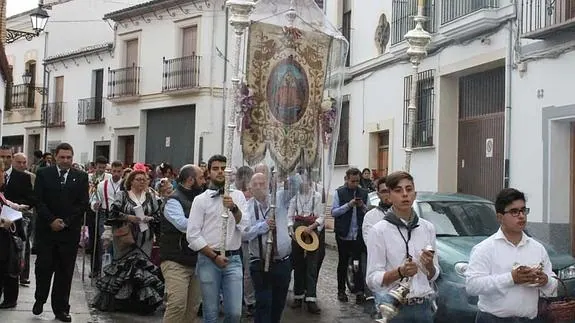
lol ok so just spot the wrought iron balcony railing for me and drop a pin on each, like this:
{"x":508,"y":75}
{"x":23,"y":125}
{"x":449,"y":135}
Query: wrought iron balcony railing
{"x":454,"y":9}
{"x":547,"y":15}
{"x":53,"y":115}
{"x":124,"y":82}
{"x":22,"y":97}
{"x":91,"y":111}
{"x":402,"y":18}
{"x":181,"y":73}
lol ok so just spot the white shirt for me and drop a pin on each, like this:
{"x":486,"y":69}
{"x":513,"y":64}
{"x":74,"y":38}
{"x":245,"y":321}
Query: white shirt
{"x":306,"y":205}
{"x":112,"y":188}
{"x":205,"y":222}
{"x":370,"y":219}
{"x":489,"y":276}
{"x":386,"y":251}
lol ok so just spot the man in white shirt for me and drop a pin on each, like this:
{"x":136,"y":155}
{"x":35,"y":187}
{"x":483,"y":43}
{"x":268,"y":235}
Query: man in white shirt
{"x":509,"y":269}
{"x":396,"y":250}
{"x":373,"y":216}
{"x":219,"y":267}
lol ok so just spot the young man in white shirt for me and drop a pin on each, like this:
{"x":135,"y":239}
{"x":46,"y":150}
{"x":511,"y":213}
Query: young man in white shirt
{"x":396,"y":246}
{"x":217,"y":269}
{"x":504,"y":269}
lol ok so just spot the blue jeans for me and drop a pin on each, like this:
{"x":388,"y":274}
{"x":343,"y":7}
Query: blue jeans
{"x":228,"y":280}
{"x":271,"y":290}
{"x":417,"y":313}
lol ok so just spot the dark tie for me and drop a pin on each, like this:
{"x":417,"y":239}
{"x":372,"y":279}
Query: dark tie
{"x":63,"y":176}
{"x":6,"y":178}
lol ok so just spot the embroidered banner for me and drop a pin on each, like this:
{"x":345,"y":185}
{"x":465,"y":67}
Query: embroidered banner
{"x":286,"y":72}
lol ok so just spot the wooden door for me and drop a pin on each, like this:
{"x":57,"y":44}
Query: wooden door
{"x":31,"y":91}
{"x":132,"y":53}
{"x":480,"y":137}
{"x":55,"y":111}
{"x":570,"y":9}
{"x":383,"y":154}
{"x":129,"y":150}
{"x":189,"y":67}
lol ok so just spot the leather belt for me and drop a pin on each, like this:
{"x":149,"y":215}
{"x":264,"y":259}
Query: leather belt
{"x":230,"y":253}
{"x":255,"y":259}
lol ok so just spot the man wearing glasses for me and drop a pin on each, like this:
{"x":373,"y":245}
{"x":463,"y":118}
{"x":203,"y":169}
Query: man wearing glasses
{"x":509,"y":269}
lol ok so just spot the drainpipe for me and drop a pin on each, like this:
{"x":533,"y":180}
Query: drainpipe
{"x":508,"y":102}
{"x":46,"y":91}
{"x":225,"y":81}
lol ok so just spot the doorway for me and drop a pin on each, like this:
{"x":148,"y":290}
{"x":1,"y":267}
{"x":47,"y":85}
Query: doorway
{"x":33,"y":145}
{"x":126,"y":149}
{"x":382,"y":153}
{"x":102,"y":148}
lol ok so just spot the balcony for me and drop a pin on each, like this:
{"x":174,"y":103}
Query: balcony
{"x":181,"y":73}
{"x":542,"y":19}
{"x":53,"y":115}
{"x":91,"y":111}
{"x":455,"y":9}
{"x":22,"y":97}
{"x":402,"y":15}
{"x":124,"y":83}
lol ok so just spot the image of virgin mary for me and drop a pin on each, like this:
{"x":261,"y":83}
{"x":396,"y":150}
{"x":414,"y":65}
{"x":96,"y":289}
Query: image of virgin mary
{"x":287,"y":91}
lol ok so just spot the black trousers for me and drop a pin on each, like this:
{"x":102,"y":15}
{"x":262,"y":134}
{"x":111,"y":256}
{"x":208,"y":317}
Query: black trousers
{"x":58,"y":259}
{"x":8,"y":284}
{"x":483,"y":317}
{"x":347,"y":249}
{"x":95,"y":232}
{"x":305,"y":271}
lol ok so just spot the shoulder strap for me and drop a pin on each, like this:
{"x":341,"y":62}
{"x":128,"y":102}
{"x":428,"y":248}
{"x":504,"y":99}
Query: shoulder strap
{"x":260,"y":244}
{"x":106,"y":195}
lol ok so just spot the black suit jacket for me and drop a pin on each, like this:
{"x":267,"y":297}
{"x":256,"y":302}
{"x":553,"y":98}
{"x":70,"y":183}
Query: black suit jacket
{"x":67,"y":202}
{"x":19,"y":189}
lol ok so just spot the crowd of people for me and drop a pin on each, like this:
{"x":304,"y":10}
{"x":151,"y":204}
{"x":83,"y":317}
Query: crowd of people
{"x":185,"y":239}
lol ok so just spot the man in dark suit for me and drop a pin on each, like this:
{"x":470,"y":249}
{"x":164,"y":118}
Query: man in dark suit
{"x":62,"y":194}
{"x":17,"y":188}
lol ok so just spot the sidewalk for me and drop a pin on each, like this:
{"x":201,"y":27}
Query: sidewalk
{"x":23,"y":312}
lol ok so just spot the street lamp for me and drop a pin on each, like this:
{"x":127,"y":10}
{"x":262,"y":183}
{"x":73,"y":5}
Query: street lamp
{"x":38,"y":18}
{"x":27,"y":79}
{"x":418,"y":40}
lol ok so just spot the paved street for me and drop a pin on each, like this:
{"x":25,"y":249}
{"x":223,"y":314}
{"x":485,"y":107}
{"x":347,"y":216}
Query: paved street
{"x":332,"y":310}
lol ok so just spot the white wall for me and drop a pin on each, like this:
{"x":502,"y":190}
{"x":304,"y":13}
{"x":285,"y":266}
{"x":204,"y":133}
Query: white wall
{"x":78,"y":84}
{"x":162,"y":38}
{"x":553,"y":76}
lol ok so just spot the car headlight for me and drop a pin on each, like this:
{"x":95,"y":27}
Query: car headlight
{"x":567,"y":273}
{"x":460,"y":268}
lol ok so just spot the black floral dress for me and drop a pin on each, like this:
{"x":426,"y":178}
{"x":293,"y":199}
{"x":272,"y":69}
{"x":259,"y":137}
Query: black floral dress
{"x":132,"y":283}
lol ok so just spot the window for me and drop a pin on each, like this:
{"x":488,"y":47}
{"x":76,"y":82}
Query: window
{"x":425,"y":109}
{"x":402,"y":18}
{"x":346,"y":27}
{"x":341,"y":154}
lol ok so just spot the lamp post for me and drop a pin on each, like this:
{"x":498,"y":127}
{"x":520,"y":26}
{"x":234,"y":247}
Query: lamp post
{"x":240,"y":11}
{"x":38,"y":18}
{"x":27,"y":79}
{"x":418,"y":40}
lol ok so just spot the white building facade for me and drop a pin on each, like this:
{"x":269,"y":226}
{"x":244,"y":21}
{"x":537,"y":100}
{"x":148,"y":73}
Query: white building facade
{"x":493,"y":105}
{"x":166,"y":82}
{"x":76,"y":42}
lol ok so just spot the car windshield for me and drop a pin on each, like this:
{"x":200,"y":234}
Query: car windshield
{"x":460,"y":218}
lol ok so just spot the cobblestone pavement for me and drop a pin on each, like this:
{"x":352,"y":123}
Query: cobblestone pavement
{"x":332,"y":309}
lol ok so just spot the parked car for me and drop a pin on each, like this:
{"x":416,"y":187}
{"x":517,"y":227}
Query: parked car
{"x":462,"y":221}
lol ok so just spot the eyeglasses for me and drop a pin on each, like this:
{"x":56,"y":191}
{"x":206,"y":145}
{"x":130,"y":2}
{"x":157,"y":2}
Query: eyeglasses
{"x":384,"y":191}
{"x":515,"y":212}
{"x":140,"y":179}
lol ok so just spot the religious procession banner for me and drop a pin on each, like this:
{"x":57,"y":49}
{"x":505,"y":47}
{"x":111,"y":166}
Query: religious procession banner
{"x":286,"y":72}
